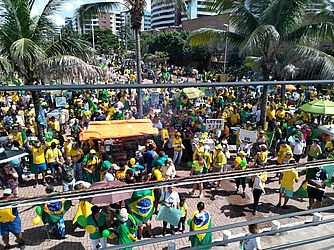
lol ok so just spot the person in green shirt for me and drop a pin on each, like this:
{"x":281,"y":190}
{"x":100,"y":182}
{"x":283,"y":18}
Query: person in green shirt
{"x":99,"y":220}
{"x":197,"y":169}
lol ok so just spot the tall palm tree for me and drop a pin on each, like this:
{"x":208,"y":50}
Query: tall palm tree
{"x":273,"y":32}
{"x":136,"y":9}
{"x":27,"y":46}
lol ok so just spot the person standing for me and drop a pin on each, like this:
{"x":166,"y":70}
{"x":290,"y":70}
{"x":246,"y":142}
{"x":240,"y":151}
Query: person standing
{"x":13,"y":225}
{"x":258,"y":189}
{"x":240,"y":163}
{"x":197,"y":169}
{"x":98,"y":219}
{"x":184,"y":209}
{"x":90,"y":167}
{"x":66,"y":173}
{"x":286,"y":181}
{"x":178,"y":149}
{"x":169,"y":198}
{"x":315,"y":150}
{"x":9,"y":178}
{"x":127,"y":228}
{"x":200,"y":220}
{"x":317,"y":179}
{"x":253,"y":243}
{"x":39,"y":165}
{"x":76,"y":155}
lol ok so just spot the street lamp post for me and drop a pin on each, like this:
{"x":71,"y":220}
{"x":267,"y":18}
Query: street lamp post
{"x":225,"y":53}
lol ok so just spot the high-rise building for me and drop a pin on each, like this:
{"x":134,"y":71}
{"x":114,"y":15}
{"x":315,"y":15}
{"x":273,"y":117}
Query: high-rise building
{"x":147,"y":21}
{"x":168,"y":15}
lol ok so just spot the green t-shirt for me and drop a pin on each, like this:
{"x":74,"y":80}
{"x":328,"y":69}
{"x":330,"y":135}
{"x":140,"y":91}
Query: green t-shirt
{"x":105,"y":165}
{"x":101,"y":221}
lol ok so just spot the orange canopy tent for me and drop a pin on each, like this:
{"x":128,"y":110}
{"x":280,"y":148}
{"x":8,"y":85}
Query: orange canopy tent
{"x":118,"y":129}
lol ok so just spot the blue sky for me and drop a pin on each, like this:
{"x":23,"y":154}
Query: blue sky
{"x":68,"y":8}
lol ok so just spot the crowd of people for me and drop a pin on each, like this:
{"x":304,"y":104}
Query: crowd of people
{"x":59,"y":157}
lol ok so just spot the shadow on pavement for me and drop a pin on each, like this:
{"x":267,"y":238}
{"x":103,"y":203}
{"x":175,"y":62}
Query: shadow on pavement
{"x":68,"y":245}
{"x":234,"y":211}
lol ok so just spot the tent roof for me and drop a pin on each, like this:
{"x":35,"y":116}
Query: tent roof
{"x":118,"y":129}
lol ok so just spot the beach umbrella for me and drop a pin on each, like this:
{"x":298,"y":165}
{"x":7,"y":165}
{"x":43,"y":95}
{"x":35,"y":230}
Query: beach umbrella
{"x":110,"y":198}
{"x":191,"y":93}
{"x":319,"y":107}
{"x":290,"y":88}
{"x":9,"y":155}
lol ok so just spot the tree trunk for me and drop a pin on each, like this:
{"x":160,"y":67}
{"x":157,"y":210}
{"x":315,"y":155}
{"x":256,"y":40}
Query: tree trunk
{"x":40,"y":128}
{"x":139,"y":74}
{"x":264,"y":101}
{"x":283,"y":90}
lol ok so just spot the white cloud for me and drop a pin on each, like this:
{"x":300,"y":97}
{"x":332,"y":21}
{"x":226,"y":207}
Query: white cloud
{"x":58,"y":19}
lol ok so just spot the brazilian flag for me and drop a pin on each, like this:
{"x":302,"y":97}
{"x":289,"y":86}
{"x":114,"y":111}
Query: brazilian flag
{"x":200,"y":221}
{"x":142,"y":205}
{"x":49,"y":136}
{"x":329,"y":170}
{"x":302,"y":190}
{"x":92,"y":105}
{"x":55,"y":211}
{"x":127,"y":233}
{"x":105,"y":95}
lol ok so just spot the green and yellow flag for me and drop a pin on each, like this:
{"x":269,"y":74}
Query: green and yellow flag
{"x":142,"y":205}
{"x":55,"y":211}
{"x":92,"y":105}
{"x":200,"y":221}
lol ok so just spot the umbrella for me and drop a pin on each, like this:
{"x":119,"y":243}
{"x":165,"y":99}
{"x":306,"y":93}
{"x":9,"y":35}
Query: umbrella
{"x":290,"y":88}
{"x":320,"y":107}
{"x":110,"y":198}
{"x":9,"y":155}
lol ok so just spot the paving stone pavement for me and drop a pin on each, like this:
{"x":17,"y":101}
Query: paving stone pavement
{"x":227,"y":208}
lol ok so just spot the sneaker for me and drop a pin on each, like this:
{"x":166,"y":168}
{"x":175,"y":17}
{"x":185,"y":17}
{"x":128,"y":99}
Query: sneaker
{"x":21,"y":245}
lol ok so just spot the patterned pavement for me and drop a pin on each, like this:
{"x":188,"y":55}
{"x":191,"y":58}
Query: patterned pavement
{"x":227,"y":208}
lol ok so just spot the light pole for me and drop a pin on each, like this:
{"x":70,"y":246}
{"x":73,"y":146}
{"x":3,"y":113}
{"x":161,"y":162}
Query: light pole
{"x":225,"y":53}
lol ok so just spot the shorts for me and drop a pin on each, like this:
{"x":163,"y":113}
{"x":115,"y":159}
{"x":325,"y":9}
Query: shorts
{"x":288,"y":193}
{"x":36,"y":168}
{"x":13,"y":227}
{"x":217,"y":170}
{"x":197,"y":172}
{"x":53,"y":166}
{"x":314,"y":193}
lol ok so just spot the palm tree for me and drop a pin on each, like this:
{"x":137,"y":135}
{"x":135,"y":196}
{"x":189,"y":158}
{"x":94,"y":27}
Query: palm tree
{"x":136,"y":10}
{"x":274,"y":33}
{"x":28,"y":47}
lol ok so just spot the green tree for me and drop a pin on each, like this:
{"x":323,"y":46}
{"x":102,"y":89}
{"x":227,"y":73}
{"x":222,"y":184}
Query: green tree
{"x":273,"y":32}
{"x":29,"y":48}
{"x":105,"y":41}
{"x":136,"y":10}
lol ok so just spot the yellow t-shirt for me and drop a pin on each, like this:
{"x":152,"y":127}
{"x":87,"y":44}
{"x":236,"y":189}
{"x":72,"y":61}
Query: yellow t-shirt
{"x":164,"y":135}
{"x":67,"y":147}
{"x":235,"y":118}
{"x":175,"y":142}
{"x":281,"y":153}
{"x":52,"y":154}
{"x":38,"y":154}
{"x":18,"y":138}
{"x":184,"y":208}
{"x":120,"y":174}
{"x":75,"y":154}
{"x":157,"y":174}
{"x":197,"y":166}
{"x":288,"y":179}
{"x":219,"y":159}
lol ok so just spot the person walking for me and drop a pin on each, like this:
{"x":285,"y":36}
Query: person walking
{"x":178,"y":149}
{"x":169,"y":198}
{"x":286,"y":181}
{"x":258,"y":189}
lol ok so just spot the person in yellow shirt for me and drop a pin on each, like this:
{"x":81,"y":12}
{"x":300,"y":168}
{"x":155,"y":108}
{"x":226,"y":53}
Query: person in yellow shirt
{"x":17,"y":135}
{"x":184,"y":209}
{"x":90,"y":167}
{"x":54,"y":124}
{"x":284,"y":147}
{"x":240,"y":163}
{"x":286,"y":181}
{"x":235,"y":117}
{"x":54,"y":160}
{"x":164,"y":137}
{"x":76,"y":155}
{"x":219,"y":160}
{"x":197,"y":169}
{"x":261,"y":158}
{"x":178,"y":149}
{"x":37,"y":149}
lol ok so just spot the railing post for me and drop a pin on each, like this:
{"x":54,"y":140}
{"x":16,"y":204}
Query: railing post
{"x":226,"y":235}
{"x":317,"y":217}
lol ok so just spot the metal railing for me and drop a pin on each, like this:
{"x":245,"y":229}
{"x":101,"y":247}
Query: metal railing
{"x":159,"y":85}
{"x":236,"y":225}
{"x":189,"y":180}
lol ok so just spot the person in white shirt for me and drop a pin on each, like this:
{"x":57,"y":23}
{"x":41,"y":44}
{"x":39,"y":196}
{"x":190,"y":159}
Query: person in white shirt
{"x":109,"y":176}
{"x":298,"y":149}
{"x":169,"y":198}
{"x":253,"y":243}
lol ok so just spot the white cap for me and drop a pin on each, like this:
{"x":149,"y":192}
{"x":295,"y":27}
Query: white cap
{"x":7,"y":191}
{"x":123,"y":214}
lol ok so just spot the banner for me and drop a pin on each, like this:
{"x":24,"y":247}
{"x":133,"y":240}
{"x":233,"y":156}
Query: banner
{"x":169,"y":214}
{"x":155,"y":98}
{"x":60,"y":101}
{"x":212,"y":124}
{"x":247,"y":135}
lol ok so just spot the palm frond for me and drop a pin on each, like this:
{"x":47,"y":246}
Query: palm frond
{"x":253,"y":62}
{"x":44,"y":24}
{"x":5,"y":64}
{"x":327,"y":10}
{"x":206,"y":36}
{"x":66,"y":65}
{"x":316,"y":31}
{"x":25,"y":53}
{"x":87,"y":11}
{"x":70,"y":46}
{"x":285,"y":15}
{"x":317,"y":59}
{"x":264,"y":38}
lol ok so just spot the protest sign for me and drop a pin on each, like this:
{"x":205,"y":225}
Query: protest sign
{"x":155,"y":98}
{"x":212,"y":124}
{"x":169,"y":214}
{"x":247,"y":135}
{"x":60,"y":101}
